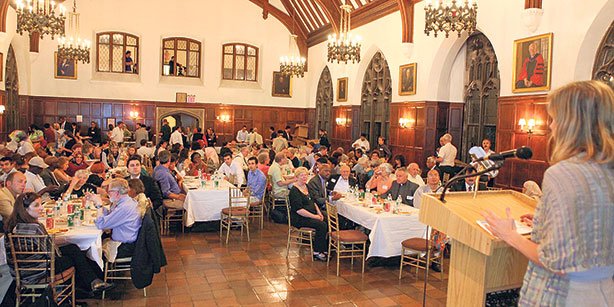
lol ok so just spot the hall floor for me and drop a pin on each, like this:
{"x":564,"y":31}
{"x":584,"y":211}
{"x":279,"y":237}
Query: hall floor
{"x":202,"y":271}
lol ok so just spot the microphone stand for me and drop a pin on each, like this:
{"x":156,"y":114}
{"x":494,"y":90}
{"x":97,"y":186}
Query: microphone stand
{"x":460,"y":177}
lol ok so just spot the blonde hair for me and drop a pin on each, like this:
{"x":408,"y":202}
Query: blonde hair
{"x":300,"y":170}
{"x":582,"y":113}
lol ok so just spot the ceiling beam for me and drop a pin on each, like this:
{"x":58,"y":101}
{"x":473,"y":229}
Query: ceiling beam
{"x":406,"y":8}
{"x":291,"y":11}
{"x":288,"y":22}
{"x":332,"y":12}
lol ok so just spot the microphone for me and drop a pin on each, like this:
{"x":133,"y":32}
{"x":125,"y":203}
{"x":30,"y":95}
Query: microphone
{"x":523,"y":152}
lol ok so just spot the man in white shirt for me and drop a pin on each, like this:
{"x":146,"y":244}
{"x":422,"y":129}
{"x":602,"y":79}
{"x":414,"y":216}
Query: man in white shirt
{"x":144,"y":150}
{"x":446,"y":155}
{"x":176,"y":137}
{"x":232,"y":171}
{"x":342,"y":182}
{"x":241,"y":158}
{"x":414,"y":174}
{"x":34,"y":181}
{"x":280,"y":184}
{"x":362,"y":142}
{"x":279,"y":143}
{"x":117,"y":134}
{"x":242,"y":135}
{"x":255,"y":137}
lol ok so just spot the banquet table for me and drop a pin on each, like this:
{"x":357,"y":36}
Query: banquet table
{"x":87,"y":238}
{"x":204,"y":204}
{"x":388,"y":230}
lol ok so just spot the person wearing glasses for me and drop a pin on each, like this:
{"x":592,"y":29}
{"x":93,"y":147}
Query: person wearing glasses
{"x":122,"y":216}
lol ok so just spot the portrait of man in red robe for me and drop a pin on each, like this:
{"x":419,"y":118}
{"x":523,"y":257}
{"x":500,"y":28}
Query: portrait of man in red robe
{"x":532,"y":73}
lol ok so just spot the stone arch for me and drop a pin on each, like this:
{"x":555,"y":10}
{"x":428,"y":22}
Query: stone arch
{"x":592,"y":39}
{"x":603,"y":69}
{"x":198,"y":114}
{"x":11,"y":83}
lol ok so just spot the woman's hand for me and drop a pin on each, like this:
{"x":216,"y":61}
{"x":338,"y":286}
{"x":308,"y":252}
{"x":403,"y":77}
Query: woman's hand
{"x":503,"y":228}
{"x":74,"y":181}
{"x":527,"y":219}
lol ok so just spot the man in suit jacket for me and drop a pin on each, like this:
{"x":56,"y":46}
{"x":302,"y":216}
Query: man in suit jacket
{"x":342,"y":181}
{"x":468,"y":185}
{"x":431,"y":164}
{"x":317,"y":186}
{"x":402,"y":187}
{"x":152,"y":191}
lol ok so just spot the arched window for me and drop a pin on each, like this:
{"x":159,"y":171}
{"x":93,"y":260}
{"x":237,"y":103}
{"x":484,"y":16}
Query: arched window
{"x":239,"y":62}
{"x":117,"y":52}
{"x":181,"y":57}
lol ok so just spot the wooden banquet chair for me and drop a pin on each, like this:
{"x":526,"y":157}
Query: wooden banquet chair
{"x":344,"y":242}
{"x":275,"y":201}
{"x":237,"y":212}
{"x":412,"y":251}
{"x":35,"y":255}
{"x":302,"y":236}
{"x":257,"y":208}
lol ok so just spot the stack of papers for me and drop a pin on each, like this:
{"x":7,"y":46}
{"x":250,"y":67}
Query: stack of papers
{"x":520,"y":227}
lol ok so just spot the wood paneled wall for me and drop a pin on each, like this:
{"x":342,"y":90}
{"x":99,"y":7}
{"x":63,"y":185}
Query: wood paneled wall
{"x":344,"y":135}
{"x":49,"y":109}
{"x":512,"y":108}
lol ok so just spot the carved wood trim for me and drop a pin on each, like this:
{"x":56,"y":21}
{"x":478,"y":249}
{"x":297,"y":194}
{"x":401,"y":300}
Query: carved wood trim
{"x":34,"y":41}
{"x":376,"y":98}
{"x":532,"y":4}
{"x":406,"y":8}
{"x":603,"y":68}
{"x":4,"y":8}
{"x":324,"y":101}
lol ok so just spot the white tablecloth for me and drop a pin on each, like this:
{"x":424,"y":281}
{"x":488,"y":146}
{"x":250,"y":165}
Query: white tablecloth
{"x":203,"y":205}
{"x":388,"y":230}
{"x":86,"y":238}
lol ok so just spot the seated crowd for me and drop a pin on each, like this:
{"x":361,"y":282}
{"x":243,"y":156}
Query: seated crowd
{"x":61,"y":162}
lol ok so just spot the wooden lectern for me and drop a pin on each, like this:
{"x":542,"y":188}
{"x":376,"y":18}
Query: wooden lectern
{"x":479,"y":262}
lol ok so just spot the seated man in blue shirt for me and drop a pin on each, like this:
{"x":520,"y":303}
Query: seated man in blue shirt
{"x":172,"y":193}
{"x":256,"y":181}
{"x":122,"y":218}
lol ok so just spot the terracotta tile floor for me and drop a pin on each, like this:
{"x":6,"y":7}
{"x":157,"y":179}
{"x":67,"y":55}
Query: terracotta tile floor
{"x":202,"y":271}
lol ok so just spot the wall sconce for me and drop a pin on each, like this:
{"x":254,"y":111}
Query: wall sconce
{"x":2,"y":109}
{"x":223,"y":118}
{"x":406,"y":122}
{"x":530,"y":124}
{"x":134,"y":114}
{"x":341,"y":121}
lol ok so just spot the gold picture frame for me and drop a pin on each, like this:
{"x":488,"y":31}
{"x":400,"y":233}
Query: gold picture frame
{"x":532,"y":64}
{"x":282,"y":85}
{"x":342,"y":89}
{"x":407,"y":79}
{"x":64,"y":68}
{"x":181,"y":97}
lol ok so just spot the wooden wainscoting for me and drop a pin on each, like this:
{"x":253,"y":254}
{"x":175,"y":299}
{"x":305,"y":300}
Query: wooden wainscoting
{"x":49,"y":109}
{"x":509,"y":135}
{"x":344,"y":134}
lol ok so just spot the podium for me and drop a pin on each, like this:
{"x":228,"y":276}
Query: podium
{"x":479,"y":262}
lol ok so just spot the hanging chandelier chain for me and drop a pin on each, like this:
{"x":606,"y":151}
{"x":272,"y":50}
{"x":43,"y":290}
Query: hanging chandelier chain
{"x":448,"y":16}
{"x":73,"y":47}
{"x":344,"y":46}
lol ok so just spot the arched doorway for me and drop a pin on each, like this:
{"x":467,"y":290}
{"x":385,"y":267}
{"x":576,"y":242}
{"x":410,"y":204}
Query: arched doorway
{"x":324,"y":101}
{"x":481,"y":93}
{"x":375,"y":101}
{"x":182,"y":120}
{"x":11,"y":114}
{"x":184,"y":117}
{"x":603,"y":69}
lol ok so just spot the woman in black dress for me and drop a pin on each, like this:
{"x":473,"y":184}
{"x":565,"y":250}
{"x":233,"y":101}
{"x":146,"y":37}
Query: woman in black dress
{"x":304,"y":213}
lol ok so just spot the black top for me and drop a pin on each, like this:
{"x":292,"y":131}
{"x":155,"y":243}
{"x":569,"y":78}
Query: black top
{"x":298,"y":201}
{"x":94,"y":134}
{"x":296,"y":162}
{"x":166,"y":132}
{"x":197,"y":136}
{"x":69,"y":145}
{"x":211,"y":139}
{"x":87,"y":187}
{"x":324,"y":141}
{"x":384,"y":151}
{"x":94,"y":179}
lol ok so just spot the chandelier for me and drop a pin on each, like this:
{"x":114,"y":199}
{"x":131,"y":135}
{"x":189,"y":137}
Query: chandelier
{"x":39,"y":16}
{"x":446,"y":16}
{"x":346,"y":47}
{"x":73,"y":47}
{"x":294,"y":65}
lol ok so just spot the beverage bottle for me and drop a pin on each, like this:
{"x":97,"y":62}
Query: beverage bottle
{"x":397,"y":204}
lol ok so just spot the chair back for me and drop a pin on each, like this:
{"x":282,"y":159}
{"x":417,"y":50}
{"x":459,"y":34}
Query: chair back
{"x":147,"y":164}
{"x":33,"y":258}
{"x":288,"y":210}
{"x":332,"y":217}
{"x":238,"y":197}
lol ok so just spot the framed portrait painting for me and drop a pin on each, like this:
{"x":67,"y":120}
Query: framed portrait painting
{"x":282,"y":85}
{"x":407,"y":79}
{"x":65,"y":68}
{"x":532,"y":64}
{"x":342,"y":89}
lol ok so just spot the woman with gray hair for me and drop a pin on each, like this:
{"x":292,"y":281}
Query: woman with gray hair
{"x":531,"y":188}
{"x":381,"y":180}
{"x":78,"y":185}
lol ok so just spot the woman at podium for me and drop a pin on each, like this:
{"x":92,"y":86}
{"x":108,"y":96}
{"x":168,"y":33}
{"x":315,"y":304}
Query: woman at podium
{"x":571,"y":250}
